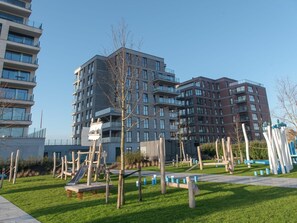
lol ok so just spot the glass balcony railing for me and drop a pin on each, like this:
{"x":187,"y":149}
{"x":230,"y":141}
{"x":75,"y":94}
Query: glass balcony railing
{"x":22,"y":40}
{"x":166,"y":90}
{"x":18,"y":3}
{"x":18,"y":75}
{"x":16,"y":117}
{"x":169,"y":101}
{"x":19,"y":97}
{"x":166,"y":78}
{"x":24,"y":58}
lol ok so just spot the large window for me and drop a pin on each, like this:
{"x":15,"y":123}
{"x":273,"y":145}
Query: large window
{"x":16,"y":75}
{"x":18,"y":38}
{"x":15,"y":94}
{"x":20,"y":57}
{"x":162,"y":124}
{"x":17,"y":114}
{"x":128,"y":136}
{"x":11,"y":132}
{"x":145,"y":136}
{"x":145,"y":110}
{"x":146,"y":123}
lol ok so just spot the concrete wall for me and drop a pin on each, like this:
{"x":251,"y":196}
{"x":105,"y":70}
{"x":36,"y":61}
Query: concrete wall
{"x":30,"y":148}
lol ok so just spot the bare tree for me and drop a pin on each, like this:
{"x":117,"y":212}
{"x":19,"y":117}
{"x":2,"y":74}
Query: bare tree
{"x":287,"y":102}
{"x":237,"y":136}
{"x":122,"y":81}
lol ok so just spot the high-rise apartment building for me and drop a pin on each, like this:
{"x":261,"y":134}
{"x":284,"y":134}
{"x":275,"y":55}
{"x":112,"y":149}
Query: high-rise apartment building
{"x":155,"y":92}
{"x":19,"y":46}
{"x":217,"y":108}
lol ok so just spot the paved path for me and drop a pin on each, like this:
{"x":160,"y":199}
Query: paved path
{"x":220,"y":178}
{"x":9,"y":213}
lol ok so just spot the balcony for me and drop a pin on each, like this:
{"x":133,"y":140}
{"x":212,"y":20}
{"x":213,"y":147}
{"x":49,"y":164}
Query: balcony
{"x":16,"y":7}
{"x":166,"y":79}
{"x":240,"y":100}
{"x":111,"y":140}
{"x":242,"y":109}
{"x":171,"y":102}
{"x":173,"y":127}
{"x":18,"y":79}
{"x":20,"y":61}
{"x":238,"y":91}
{"x":107,"y":112}
{"x":16,"y":44}
{"x":23,"y":119}
{"x":6,"y":97}
{"x":166,"y":91}
{"x":244,"y":119}
{"x":113,"y":125}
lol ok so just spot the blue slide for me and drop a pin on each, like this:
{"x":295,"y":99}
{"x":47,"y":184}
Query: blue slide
{"x":79,"y":174}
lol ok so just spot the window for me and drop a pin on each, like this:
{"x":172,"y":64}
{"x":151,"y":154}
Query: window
{"x":137,"y":109}
{"x":128,"y":136}
{"x":252,"y":98}
{"x":144,"y":61}
{"x":129,"y":71}
{"x":138,"y":136}
{"x":21,"y":57}
{"x":145,"y":98}
{"x":161,"y":112}
{"x":129,"y":122}
{"x":137,"y":85}
{"x":16,"y":75}
{"x":128,"y":109}
{"x":256,"y":126}
{"x":145,"y":110}
{"x":162,"y":124}
{"x":145,"y":136}
{"x":255,"y":117}
{"x":253,"y":107}
{"x":158,"y":65}
{"x":138,"y":123}
{"x":18,"y":38}
{"x":144,"y":74}
{"x":198,"y":92}
{"x":155,"y":123}
{"x":250,"y":89}
{"x":146,"y":123}
{"x":144,"y":84}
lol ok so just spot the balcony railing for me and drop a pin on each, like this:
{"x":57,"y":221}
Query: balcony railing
{"x":22,"y":117}
{"x":111,"y":139}
{"x":18,"y":76}
{"x":240,"y":100}
{"x":21,"y":59}
{"x":18,"y":3}
{"x":23,"y":40}
{"x":166,"y":78}
{"x":166,"y":90}
{"x":9,"y":96}
{"x":111,"y":125}
{"x":169,"y":101}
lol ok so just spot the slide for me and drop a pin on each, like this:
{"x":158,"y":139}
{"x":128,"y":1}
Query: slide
{"x":80,"y":173}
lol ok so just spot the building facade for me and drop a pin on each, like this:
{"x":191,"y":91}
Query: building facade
{"x":152,"y":103}
{"x":217,"y":108}
{"x":19,"y":46}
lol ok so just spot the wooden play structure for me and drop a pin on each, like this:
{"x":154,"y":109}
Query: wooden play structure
{"x":227,"y":159}
{"x":90,"y":167}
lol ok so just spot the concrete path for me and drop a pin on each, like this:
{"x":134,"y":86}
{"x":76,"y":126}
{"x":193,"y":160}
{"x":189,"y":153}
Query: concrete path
{"x":220,"y":178}
{"x":9,"y":213}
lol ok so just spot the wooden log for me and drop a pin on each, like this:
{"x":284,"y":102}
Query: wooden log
{"x":91,"y":158}
{"x":16,"y":166}
{"x":73,"y":162}
{"x":2,"y":177}
{"x":162,"y":165}
{"x":78,"y":161}
{"x":176,"y":160}
{"x":192,"y":202}
{"x":247,"y":151}
{"x":55,"y":164}
{"x":139,"y":183}
{"x":216,"y":164}
{"x":66,"y":167}
{"x":62,"y":167}
{"x":199,"y":157}
{"x":183,"y":150}
{"x":177,"y":185}
{"x":217,"y":151}
{"x":11,"y":167}
{"x":224,"y":153}
{"x":107,"y":186}
{"x":98,"y":162}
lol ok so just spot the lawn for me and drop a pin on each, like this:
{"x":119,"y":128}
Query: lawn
{"x":44,"y":198}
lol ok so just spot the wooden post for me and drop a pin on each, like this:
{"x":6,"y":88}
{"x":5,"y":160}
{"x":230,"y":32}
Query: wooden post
{"x":73,"y":163}
{"x":224,"y":153}
{"x":199,"y":157}
{"x":66,"y":166}
{"x":78,"y":160}
{"x":229,"y":151}
{"x":2,"y":177}
{"x":191,"y":161}
{"x":16,"y":166}
{"x":98,"y":162}
{"x":183,"y":150}
{"x":11,"y":167}
{"x":176,"y":160}
{"x":55,"y":162}
{"x":162,"y":165}
{"x":246,"y":145}
{"x":217,"y":151}
{"x":91,"y":158}
{"x":192,"y":202}
{"x":107,"y":186}
{"x":139,"y":183}
{"x":62,"y":167}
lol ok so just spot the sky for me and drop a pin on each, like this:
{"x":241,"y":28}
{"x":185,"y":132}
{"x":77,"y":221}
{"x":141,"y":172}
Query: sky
{"x":253,"y":40}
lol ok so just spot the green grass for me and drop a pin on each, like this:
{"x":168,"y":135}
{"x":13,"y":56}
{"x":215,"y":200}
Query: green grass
{"x":239,"y":170}
{"x":44,"y":198}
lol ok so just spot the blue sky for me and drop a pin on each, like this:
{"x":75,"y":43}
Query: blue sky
{"x":254,"y":40}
